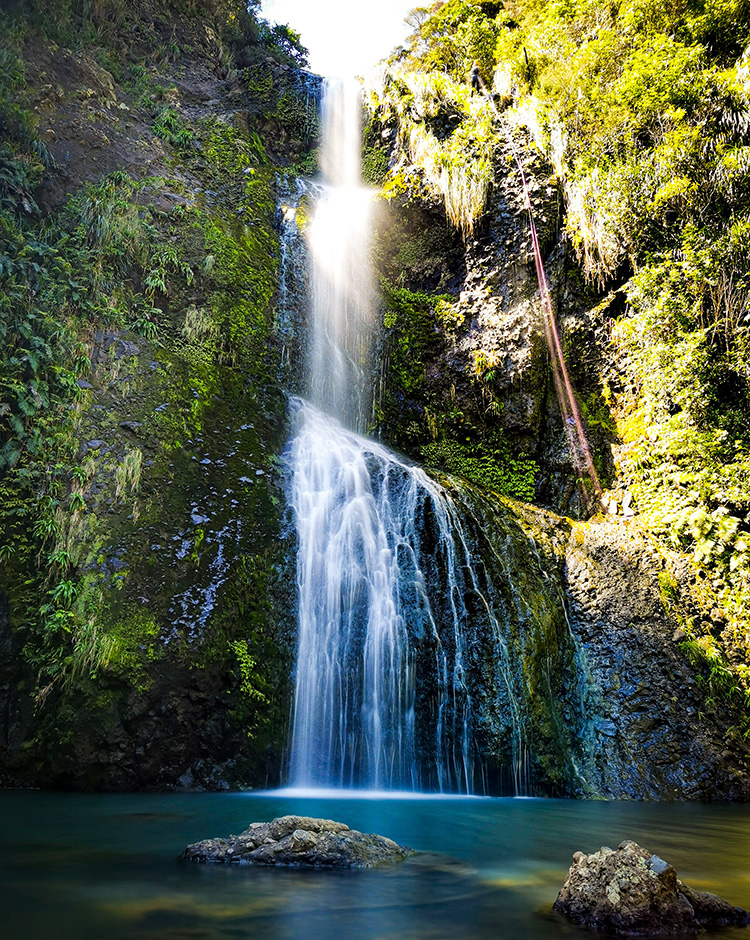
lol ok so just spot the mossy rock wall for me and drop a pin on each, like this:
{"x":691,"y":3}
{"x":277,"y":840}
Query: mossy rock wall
{"x":638,"y":114}
{"x":467,"y":385}
{"x":579,"y":681}
{"x":147,"y":608}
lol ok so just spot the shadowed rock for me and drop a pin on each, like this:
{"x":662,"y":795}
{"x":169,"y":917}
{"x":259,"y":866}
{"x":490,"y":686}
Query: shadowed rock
{"x":300,"y":842}
{"x":632,"y":893}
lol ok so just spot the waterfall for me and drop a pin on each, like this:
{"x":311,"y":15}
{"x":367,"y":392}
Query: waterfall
{"x":388,"y":583}
{"x":382,"y":568}
{"x":342,"y":290}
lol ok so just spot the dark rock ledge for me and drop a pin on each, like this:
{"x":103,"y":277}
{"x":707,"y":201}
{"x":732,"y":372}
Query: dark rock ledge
{"x":632,"y":893}
{"x":300,"y":842}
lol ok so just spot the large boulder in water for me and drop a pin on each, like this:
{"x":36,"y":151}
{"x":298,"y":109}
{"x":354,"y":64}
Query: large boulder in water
{"x":632,"y":893}
{"x":300,"y":842}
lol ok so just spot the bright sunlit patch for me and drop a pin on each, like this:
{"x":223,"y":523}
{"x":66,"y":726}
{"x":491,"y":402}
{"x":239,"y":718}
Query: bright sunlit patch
{"x":343,"y":38}
{"x":340,"y":224}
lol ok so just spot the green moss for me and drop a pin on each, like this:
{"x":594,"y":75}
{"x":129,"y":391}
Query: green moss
{"x":410,"y":321}
{"x":375,"y":154}
{"x":374,"y":167}
{"x":261,"y":86}
{"x":231,"y":154}
{"x":419,"y":413}
{"x":414,"y":248}
{"x":307,"y":165}
{"x":261,"y":659}
{"x":290,"y":118}
{"x":489,"y":464}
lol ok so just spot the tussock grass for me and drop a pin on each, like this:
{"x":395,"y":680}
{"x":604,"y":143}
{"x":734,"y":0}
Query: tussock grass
{"x":445,"y":131}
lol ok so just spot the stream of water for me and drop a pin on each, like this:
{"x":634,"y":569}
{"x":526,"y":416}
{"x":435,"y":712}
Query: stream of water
{"x":383,"y":571}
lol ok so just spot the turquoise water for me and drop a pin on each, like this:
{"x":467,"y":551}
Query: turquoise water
{"x":104,"y":867}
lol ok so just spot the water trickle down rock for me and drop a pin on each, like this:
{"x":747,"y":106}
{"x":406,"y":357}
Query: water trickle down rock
{"x":291,"y":297}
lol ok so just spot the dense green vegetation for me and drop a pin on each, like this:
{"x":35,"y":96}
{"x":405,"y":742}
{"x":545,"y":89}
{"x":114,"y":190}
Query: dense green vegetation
{"x":445,"y":128}
{"x":442,"y":435}
{"x":134,"y":314}
{"x":643,"y":108}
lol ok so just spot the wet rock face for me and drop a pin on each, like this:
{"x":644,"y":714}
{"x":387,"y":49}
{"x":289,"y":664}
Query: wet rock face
{"x":652,"y":731}
{"x":572,"y":663}
{"x":486,"y":363}
{"x":632,"y":893}
{"x":299,"y":842}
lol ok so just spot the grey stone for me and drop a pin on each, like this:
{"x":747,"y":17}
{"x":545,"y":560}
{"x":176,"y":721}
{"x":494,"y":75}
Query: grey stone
{"x":299,"y":842}
{"x":630,"y":892}
{"x":126,"y":349}
{"x":604,"y":726}
{"x":658,"y":864}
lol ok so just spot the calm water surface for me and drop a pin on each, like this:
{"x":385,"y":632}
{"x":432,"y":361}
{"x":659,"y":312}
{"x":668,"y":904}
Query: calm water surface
{"x":104,"y":867}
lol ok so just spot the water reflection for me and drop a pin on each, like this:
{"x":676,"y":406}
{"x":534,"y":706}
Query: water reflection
{"x":88,"y":867}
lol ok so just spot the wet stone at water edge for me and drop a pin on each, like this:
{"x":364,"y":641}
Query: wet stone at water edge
{"x":631,"y":893}
{"x":300,"y":842}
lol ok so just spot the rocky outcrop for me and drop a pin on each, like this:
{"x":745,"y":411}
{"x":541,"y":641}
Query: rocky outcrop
{"x":483,"y":389}
{"x":597,"y":688}
{"x":299,"y":842}
{"x":632,"y":893}
{"x":654,"y":731}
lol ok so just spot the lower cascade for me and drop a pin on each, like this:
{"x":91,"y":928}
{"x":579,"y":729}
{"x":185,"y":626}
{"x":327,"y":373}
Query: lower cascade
{"x":383,"y":572}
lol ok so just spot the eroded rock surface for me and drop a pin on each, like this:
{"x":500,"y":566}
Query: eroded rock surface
{"x":300,"y":842}
{"x":632,"y":893}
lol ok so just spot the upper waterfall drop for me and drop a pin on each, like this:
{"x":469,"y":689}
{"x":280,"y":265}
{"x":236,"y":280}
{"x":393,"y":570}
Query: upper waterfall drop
{"x":341,"y":139}
{"x":340,"y":358}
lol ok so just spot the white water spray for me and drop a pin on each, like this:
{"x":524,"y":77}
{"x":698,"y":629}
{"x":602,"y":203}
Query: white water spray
{"x":384,"y":568}
{"x":343,"y":294}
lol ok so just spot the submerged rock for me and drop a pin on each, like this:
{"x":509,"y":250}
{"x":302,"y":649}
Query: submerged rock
{"x":300,"y":842}
{"x":632,"y":893}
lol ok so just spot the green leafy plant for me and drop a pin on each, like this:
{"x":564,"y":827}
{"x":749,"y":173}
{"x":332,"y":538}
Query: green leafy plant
{"x":170,"y":127}
{"x":489,"y":464}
